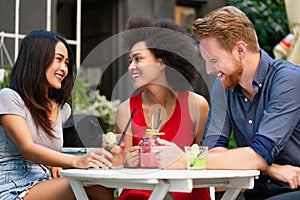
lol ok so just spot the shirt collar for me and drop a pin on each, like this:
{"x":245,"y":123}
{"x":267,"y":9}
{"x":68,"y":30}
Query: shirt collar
{"x":261,"y":71}
{"x":260,"y":74}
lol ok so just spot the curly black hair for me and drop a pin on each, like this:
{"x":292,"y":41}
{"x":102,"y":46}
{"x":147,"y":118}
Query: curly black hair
{"x":167,"y":41}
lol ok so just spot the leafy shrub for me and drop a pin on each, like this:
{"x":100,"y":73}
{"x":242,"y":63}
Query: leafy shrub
{"x":87,"y":101}
{"x":269,"y":19}
{"x":6,"y":80}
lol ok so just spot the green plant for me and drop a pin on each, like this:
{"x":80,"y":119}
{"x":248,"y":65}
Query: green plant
{"x":81,"y":90}
{"x":6,"y":80}
{"x":87,"y":101}
{"x":269,"y":19}
{"x":232,"y":143}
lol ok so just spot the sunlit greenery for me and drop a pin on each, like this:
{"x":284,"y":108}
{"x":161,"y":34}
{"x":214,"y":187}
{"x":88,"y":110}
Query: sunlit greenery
{"x":269,"y":18}
{"x":87,"y":101}
{"x":5,"y":82}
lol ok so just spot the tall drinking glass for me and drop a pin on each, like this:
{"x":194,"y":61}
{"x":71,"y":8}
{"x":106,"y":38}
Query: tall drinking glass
{"x":110,"y":143}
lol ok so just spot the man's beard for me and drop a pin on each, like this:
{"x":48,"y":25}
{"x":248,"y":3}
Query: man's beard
{"x":234,"y":77}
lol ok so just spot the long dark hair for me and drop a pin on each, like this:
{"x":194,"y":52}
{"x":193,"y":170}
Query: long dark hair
{"x":28,"y":76}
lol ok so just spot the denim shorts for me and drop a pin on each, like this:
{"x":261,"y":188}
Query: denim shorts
{"x":17,"y":176}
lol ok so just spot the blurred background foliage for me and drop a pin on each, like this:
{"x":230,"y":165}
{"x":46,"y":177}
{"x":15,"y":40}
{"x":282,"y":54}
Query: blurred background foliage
{"x":89,"y":101}
{"x":6,"y":80}
{"x":269,"y":19}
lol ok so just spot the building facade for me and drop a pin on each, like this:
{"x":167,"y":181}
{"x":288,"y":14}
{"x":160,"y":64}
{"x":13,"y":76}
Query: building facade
{"x":91,"y":27}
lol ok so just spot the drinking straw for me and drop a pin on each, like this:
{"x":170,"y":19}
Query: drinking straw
{"x":158,"y":119}
{"x":152,"y":122}
{"x":127,"y":125}
{"x":159,"y":124}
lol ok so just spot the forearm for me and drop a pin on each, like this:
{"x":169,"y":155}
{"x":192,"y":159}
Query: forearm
{"x":43,"y":155}
{"x":240,"y":158}
{"x":270,"y":170}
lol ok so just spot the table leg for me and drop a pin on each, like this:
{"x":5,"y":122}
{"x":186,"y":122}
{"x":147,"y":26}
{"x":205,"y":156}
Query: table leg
{"x":169,"y":196}
{"x":231,"y":194}
{"x":78,"y":190}
{"x":160,"y":190}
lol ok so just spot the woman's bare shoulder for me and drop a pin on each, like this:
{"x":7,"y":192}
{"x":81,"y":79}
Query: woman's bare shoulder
{"x":123,"y":106}
{"x":197,"y":99}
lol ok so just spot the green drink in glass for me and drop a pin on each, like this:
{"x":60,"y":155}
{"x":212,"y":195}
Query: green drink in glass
{"x":196,"y":157}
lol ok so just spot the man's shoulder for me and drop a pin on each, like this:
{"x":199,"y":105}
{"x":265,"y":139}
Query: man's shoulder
{"x":281,"y":64}
{"x":280,"y":69}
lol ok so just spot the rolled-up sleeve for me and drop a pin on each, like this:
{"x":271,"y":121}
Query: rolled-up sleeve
{"x":281,"y":114}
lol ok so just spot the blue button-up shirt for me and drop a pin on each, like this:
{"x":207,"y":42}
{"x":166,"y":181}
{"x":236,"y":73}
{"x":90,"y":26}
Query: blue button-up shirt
{"x":270,"y":124}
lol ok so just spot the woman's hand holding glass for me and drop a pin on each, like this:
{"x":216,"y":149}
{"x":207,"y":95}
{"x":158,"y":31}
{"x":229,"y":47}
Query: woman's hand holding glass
{"x":132,"y":156}
{"x":95,"y":158}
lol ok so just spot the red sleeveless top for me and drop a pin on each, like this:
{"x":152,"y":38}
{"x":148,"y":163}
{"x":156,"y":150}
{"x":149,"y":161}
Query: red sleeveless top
{"x":178,"y":129}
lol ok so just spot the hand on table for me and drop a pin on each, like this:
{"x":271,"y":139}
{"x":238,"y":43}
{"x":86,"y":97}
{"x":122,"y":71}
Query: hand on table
{"x":285,"y":173}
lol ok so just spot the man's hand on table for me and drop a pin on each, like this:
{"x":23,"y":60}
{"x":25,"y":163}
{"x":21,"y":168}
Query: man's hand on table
{"x":285,"y":173}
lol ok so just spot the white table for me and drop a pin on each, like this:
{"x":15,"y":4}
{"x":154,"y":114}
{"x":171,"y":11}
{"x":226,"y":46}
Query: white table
{"x":161,"y":181}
